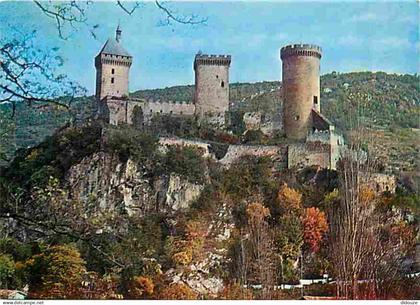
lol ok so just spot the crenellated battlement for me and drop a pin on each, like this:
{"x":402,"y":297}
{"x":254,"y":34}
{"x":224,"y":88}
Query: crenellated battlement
{"x":212,"y":60}
{"x":110,"y":59}
{"x":301,"y":50}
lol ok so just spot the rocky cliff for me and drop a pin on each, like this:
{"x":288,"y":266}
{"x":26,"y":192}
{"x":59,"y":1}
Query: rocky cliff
{"x":129,"y":186}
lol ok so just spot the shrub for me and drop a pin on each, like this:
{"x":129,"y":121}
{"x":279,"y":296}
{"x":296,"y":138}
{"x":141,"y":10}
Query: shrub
{"x":7,"y":270}
{"x":186,"y":162}
{"x":56,"y":273}
{"x":235,"y":291}
{"x":141,"y":287}
{"x":130,"y":143}
{"x":177,"y":291}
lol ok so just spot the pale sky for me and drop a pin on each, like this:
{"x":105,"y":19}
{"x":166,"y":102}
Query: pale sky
{"x":354,"y":36}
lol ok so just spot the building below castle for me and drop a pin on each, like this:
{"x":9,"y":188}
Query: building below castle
{"x":312,"y":138}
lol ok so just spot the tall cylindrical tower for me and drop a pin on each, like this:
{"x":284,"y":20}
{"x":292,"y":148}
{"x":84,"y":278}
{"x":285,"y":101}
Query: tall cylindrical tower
{"x":301,"y":93}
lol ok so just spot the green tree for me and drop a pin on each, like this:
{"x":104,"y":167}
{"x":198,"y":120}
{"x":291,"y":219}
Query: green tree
{"x":7,"y":270}
{"x":56,"y":273}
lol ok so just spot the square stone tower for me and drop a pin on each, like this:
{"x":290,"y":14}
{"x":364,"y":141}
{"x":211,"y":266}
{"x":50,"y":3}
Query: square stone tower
{"x":112,"y":69}
{"x":211,"y":86}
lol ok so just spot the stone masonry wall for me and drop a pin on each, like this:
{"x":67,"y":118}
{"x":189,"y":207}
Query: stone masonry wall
{"x":211,"y":85}
{"x":118,"y":111}
{"x":277,"y":153}
{"x":234,"y":152}
{"x":308,"y":154}
{"x":112,"y":68}
{"x":300,"y":88}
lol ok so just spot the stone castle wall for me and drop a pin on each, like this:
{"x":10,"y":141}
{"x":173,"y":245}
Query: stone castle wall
{"x":383,"y":183}
{"x":309,"y":154}
{"x":202,"y":146}
{"x":119,"y":111}
{"x":277,"y":153}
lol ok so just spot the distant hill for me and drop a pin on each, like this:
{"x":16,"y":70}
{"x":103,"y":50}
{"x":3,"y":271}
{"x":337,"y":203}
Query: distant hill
{"x":392,"y":107}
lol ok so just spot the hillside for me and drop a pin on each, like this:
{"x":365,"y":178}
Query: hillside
{"x":107,"y":205}
{"x":390,"y":107}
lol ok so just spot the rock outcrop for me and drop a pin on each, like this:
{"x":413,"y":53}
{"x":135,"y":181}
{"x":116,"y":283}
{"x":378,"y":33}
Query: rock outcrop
{"x":128,"y":185}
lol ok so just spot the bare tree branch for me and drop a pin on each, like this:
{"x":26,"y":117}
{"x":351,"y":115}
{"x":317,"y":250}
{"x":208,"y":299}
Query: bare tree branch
{"x":131,"y":10}
{"x":28,"y":74}
{"x":64,"y":13}
{"x":171,"y":16}
{"x":68,"y":14}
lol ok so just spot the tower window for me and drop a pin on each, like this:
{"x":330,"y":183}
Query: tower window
{"x":222,"y":84}
{"x":112,"y":71}
{"x":315,"y":100}
{"x":217,"y":76}
{"x":297,"y":118}
{"x":112,"y":80}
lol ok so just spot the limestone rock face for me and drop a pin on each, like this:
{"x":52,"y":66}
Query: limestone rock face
{"x":180,"y":193}
{"x":128,"y":186}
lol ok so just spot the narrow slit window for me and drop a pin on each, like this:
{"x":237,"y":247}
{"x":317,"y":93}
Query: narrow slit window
{"x":112,"y":71}
{"x":315,"y":100}
{"x":222,"y":84}
{"x":112,"y":80}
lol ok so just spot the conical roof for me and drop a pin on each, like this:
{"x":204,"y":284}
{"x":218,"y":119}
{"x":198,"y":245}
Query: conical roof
{"x":112,"y":46}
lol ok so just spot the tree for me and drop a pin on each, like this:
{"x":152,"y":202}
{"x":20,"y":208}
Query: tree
{"x":234,"y":291}
{"x":141,"y":288}
{"x":290,"y":200}
{"x":68,"y":15}
{"x":29,"y":74}
{"x":55,"y":273}
{"x":7,"y":134}
{"x":189,"y":248}
{"x":7,"y":270}
{"x":261,"y":249}
{"x":314,"y":227}
{"x":289,"y":236}
{"x":177,"y":291}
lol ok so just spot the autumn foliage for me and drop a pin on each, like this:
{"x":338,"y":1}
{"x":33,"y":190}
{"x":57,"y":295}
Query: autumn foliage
{"x":235,"y":291}
{"x":315,"y":226}
{"x":184,"y":250}
{"x":141,"y":287}
{"x":56,"y":273}
{"x":177,"y":291}
{"x":290,"y":200}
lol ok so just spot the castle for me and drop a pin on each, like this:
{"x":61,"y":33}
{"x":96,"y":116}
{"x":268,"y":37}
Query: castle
{"x":312,"y":140}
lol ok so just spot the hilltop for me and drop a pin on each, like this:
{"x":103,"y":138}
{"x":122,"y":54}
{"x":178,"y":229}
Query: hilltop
{"x":390,"y":108}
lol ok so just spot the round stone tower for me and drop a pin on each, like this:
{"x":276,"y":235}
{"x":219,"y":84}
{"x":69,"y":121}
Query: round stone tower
{"x":301,"y":88}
